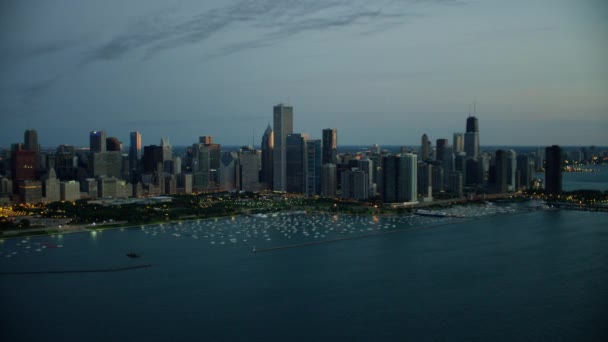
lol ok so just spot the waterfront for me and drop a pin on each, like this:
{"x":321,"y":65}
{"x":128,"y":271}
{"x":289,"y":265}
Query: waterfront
{"x":510,"y":274}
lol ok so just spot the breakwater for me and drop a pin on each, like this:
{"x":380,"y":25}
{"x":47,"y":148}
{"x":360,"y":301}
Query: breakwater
{"x":103,"y":270}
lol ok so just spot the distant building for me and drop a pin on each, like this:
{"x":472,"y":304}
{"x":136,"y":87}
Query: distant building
{"x":424,"y":148}
{"x":553,"y":170}
{"x":295,"y":163}
{"x":313,"y":167}
{"x":282,"y":127}
{"x":23,"y":167}
{"x":458,"y":142}
{"x":70,"y":190}
{"x":30,"y":191}
{"x":228,"y":171}
{"x":399,"y":178}
{"x":51,"y":187}
{"x":97,"y":141}
{"x":330,"y":146}
{"x":134,"y":153}
{"x":355,"y":185}
{"x":442,"y":144}
{"x":328,"y":180}
{"x":501,"y":166}
{"x":471,"y":137}
{"x":267,"y":152}
{"x":249,"y":169}
{"x":30,"y":140}
{"x":425,"y":181}
{"x":113,"y":144}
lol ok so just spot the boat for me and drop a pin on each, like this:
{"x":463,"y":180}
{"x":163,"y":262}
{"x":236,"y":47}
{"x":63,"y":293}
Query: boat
{"x":431,"y":213}
{"x":133,"y":255}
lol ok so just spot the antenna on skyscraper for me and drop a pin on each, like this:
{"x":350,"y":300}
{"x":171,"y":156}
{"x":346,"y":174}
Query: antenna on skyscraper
{"x":474,"y":107}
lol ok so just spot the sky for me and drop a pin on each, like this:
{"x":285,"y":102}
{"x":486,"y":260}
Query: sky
{"x":382,"y":71}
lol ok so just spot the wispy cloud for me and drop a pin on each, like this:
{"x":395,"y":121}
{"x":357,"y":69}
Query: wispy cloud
{"x":276,"y":20}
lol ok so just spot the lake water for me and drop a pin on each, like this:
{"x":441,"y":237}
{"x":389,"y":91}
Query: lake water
{"x":584,"y":180}
{"x":503,"y":273}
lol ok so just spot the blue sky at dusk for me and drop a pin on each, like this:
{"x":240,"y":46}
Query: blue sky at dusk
{"x":383,"y":71}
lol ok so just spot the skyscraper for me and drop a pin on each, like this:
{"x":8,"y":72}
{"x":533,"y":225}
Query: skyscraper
{"x":355,"y":184}
{"x":471,"y":138}
{"x":97,"y":141}
{"x":313,"y":167}
{"x":328,"y":180}
{"x":501,"y":171}
{"x":134,"y":152}
{"x":458,"y":142}
{"x":424,"y":148}
{"x":113,"y":144}
{"x":283,"y":126}
{"x":330,"y":146}
{"x":295,"y":163}
{"x":30,"y":140}
{"x":399,"y":178}
{"x":553,"y":170}
{"x":442,"y":144}
{"x":267,"y":150}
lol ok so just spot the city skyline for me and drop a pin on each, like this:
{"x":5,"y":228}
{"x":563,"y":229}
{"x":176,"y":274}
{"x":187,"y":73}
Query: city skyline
{"x":384,"y":72}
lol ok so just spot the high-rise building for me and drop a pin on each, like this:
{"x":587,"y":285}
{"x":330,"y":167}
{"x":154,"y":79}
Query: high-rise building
{"x":167,"y":150}
{"x":30,"y":140}
{"x":313,"y":167}
{"x":267,"y":150}
{"x":511,"y":170}
{"x":553,"y":170}
{"x":458,"y":142}
{"x":424,"y":148}
{"x":97,"y":141}
{"x":283,"y":126}
{"x":113,"y":144}
{"x":425,"y":181}
{"x":355,"y":184}
{"x":330,"y":146}
{"x":134,"y":153}
{"x":23,"y":167}
{"x":442,"y":144}
{"x":249,"y":169}
{"x":501,"y":166}
{"x":51,"y":188}
{"x":525,"y":166}
{"x":295,"y":162}
{"x":471,"y":138}
{"x":328,"y":180}
{"x":228,"y":176}
{"x":367,"y":165}
{"x":399,"y":178}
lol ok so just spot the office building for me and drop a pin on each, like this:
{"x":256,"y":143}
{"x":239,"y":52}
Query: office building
{"x":471,"y":137}
{"x":553,"y":170}
{"x":30,"y":140}
{"x":399,"y":178}
{"x":249,"y":169}
{"x":425,"y":148}
{"x":330,"y":146}
{"x":355,"y":184}
{"x":134,"y":152}
{"x":313,"y":167}
{"x":328,"y":180}
{"x":97,"y":141}
{"x":282,"y":127}
{"x":70,"y":190}
{"x":295,"y":162}
{"x":458,"y":143}
{"x":267,"y":151}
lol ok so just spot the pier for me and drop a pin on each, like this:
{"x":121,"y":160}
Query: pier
{"x":103,"y":270}
{"x":304,"y":244}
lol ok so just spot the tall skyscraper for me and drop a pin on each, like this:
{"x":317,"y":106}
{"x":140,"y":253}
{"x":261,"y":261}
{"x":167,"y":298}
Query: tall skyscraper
{"x":501,"y":165}
{"x":134,"y":152}
{"x":424,"y":148}
{"x":30,"y":140}
{"x":167,"y":149}
{"x":267,"y":150}
{"x":295,"y":161}
{"x":313,"y":167}
{"x":328,"y":180}
{"x":458,"y":142}
{"x":283,"y":126}
{"x":330,"y":146}
{"x":553,"y":170}
{"x":97,"y":141}
{"x":249,"y":169}
{"x":442,"y":144}
{"x":471,"y":138}
{"x":399,"y":178}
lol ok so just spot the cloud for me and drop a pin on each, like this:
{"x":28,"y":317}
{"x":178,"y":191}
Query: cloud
{"x":276,"y":20}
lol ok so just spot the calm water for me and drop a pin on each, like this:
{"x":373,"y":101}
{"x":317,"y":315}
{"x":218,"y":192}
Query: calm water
{"x":506,"y":275}
{"x":584,"y":180}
